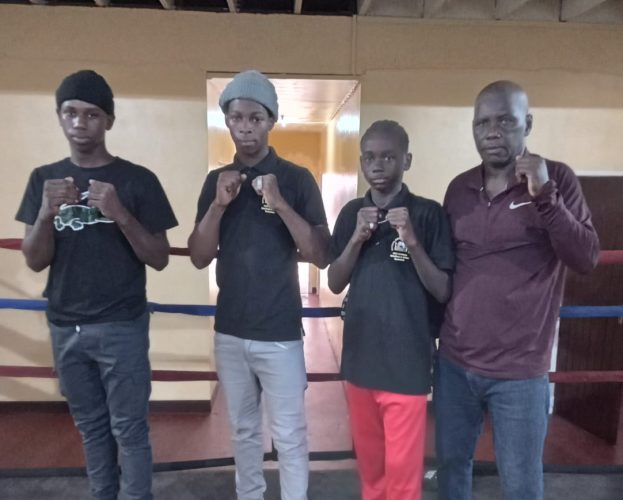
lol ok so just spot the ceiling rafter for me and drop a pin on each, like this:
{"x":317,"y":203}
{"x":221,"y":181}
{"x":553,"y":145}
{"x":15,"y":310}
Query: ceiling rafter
{"x":575,"y":11}
{"x":433,"y":7}
{"x":363,"y":6}
{"x":572,"y":9}
{"x":233,"y":6}
{"x":168,"y":4}
{"x":505,"y":8}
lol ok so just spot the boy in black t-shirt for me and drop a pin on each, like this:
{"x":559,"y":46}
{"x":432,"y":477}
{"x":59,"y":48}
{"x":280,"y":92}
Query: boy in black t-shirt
{"x":257,"y":217}
{"x":395,"y":250}
{"x":95,"y":220}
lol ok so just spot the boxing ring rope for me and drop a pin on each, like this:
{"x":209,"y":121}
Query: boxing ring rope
{"x":607,"y":257}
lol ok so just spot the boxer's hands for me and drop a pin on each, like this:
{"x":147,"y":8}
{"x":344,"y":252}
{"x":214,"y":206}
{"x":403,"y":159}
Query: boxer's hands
{"x":57,"y":192}
{"x":228,"y":187}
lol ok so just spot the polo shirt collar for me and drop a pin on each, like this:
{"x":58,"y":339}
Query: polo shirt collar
{"x":399,"y":200}
{"x":268,"y":164}
{"x":476,"y":178}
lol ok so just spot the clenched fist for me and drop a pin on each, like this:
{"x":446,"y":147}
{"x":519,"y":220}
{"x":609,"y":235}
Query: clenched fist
{"x":228,"y":186}
{"x":57,"y":192}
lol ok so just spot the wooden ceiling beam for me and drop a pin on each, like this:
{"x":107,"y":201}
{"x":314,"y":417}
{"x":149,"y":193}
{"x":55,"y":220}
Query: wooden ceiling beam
{"x":572,"y":9}
{"x":168,"y":4}
{"x":233,"y":7}
{"x":433,"y":7}
{"x":505,"y":8}
{"x":363,"y":6}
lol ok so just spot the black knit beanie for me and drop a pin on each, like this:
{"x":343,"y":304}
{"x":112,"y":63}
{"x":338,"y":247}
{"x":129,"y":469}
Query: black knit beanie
{"x":88,"y":86}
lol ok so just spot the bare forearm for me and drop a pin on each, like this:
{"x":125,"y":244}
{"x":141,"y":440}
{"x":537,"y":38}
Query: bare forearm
{"x":311,"y":241}
{"x":151,"y":249}
{"x":203,"y":241}
{"x":341,"y":268}
{"x":436,"y":281}
{"x":38,"y":245}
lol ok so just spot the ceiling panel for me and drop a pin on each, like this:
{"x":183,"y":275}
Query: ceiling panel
{"x":305,"y":101}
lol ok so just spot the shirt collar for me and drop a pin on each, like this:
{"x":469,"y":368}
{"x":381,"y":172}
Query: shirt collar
{"x":475,"y":179}
{"x":399,"y":200}
{"x":266,"y":166}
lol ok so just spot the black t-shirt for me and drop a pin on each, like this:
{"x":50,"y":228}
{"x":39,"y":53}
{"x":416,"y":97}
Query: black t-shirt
{"x":256,"y":269}
{"x":388,"y":325}
{"x":95,"y":275}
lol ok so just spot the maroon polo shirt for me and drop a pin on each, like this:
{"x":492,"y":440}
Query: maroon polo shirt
{"x":511,"y":254}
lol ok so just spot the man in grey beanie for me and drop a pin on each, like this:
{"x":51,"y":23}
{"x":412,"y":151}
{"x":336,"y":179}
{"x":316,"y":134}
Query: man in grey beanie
{"x":259,"y":216}
{"x":95,"y":220}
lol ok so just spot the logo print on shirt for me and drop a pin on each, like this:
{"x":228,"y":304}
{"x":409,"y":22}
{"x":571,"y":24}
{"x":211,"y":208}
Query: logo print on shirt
{"x":78,"y":216}
{"x":400,"y":252}
{"x":266,"y":207}
{"x":514,"y":205}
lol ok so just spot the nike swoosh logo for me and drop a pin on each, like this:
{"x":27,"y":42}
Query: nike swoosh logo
{"x":514,"y":205}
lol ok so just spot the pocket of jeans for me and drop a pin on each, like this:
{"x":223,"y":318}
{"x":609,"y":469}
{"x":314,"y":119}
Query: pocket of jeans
{"x":59,"y":339}
{"x":288,"y":344}
{"x":129,"y":393}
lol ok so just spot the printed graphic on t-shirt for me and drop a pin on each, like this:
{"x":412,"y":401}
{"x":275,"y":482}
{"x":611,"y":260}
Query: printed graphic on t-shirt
{"x":78,"y":216}
{"x":400,"y":252}
{"x":266,"y":207}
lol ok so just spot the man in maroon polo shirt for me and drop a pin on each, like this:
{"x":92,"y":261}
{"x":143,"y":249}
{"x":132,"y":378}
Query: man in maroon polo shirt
{"x":518,"y":220}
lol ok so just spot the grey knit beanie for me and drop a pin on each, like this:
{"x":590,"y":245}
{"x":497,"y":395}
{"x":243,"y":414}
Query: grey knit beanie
{"x":88,"y":86}
{"x":254,"y":86}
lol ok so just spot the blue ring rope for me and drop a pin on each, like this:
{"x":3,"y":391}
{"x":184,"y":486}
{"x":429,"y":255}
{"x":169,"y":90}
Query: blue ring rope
{"x":190,"y":309}
{"x":308,"y":312}
{"x":591,"y":311}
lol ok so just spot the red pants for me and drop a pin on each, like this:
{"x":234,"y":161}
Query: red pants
{"x":389,"y":433}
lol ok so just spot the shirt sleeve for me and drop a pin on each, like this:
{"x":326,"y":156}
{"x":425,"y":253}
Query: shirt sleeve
{"x":309,"y":201}
{"x":342,"y":232}
{"x":438,"y":239}
{"x":208,"y":193}
{"x":31,"y":201}
{"x":439,"y":247}
{"x":154,"y":211}
{"x":567,"y":219}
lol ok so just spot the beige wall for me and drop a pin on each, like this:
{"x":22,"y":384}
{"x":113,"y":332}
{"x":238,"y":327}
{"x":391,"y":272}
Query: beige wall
{"x":340,"y":149}
{"x":300,"y":147}
{"x":340,"y":145}
{"x":158,"y":52}
{"x":147,"y":131}
{"x":585,"y":138}
{"x":422,"y":73}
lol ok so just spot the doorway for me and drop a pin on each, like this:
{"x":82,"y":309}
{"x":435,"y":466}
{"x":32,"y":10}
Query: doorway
{"x":317,"y":127}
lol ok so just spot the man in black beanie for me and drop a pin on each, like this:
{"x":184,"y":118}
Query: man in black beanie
{"x":260,"y":215}
{"x":96,"y":220}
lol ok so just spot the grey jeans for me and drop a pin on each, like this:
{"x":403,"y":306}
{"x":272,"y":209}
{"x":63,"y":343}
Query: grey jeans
{"x":104,"y":373}
{"x":247,"y":369}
